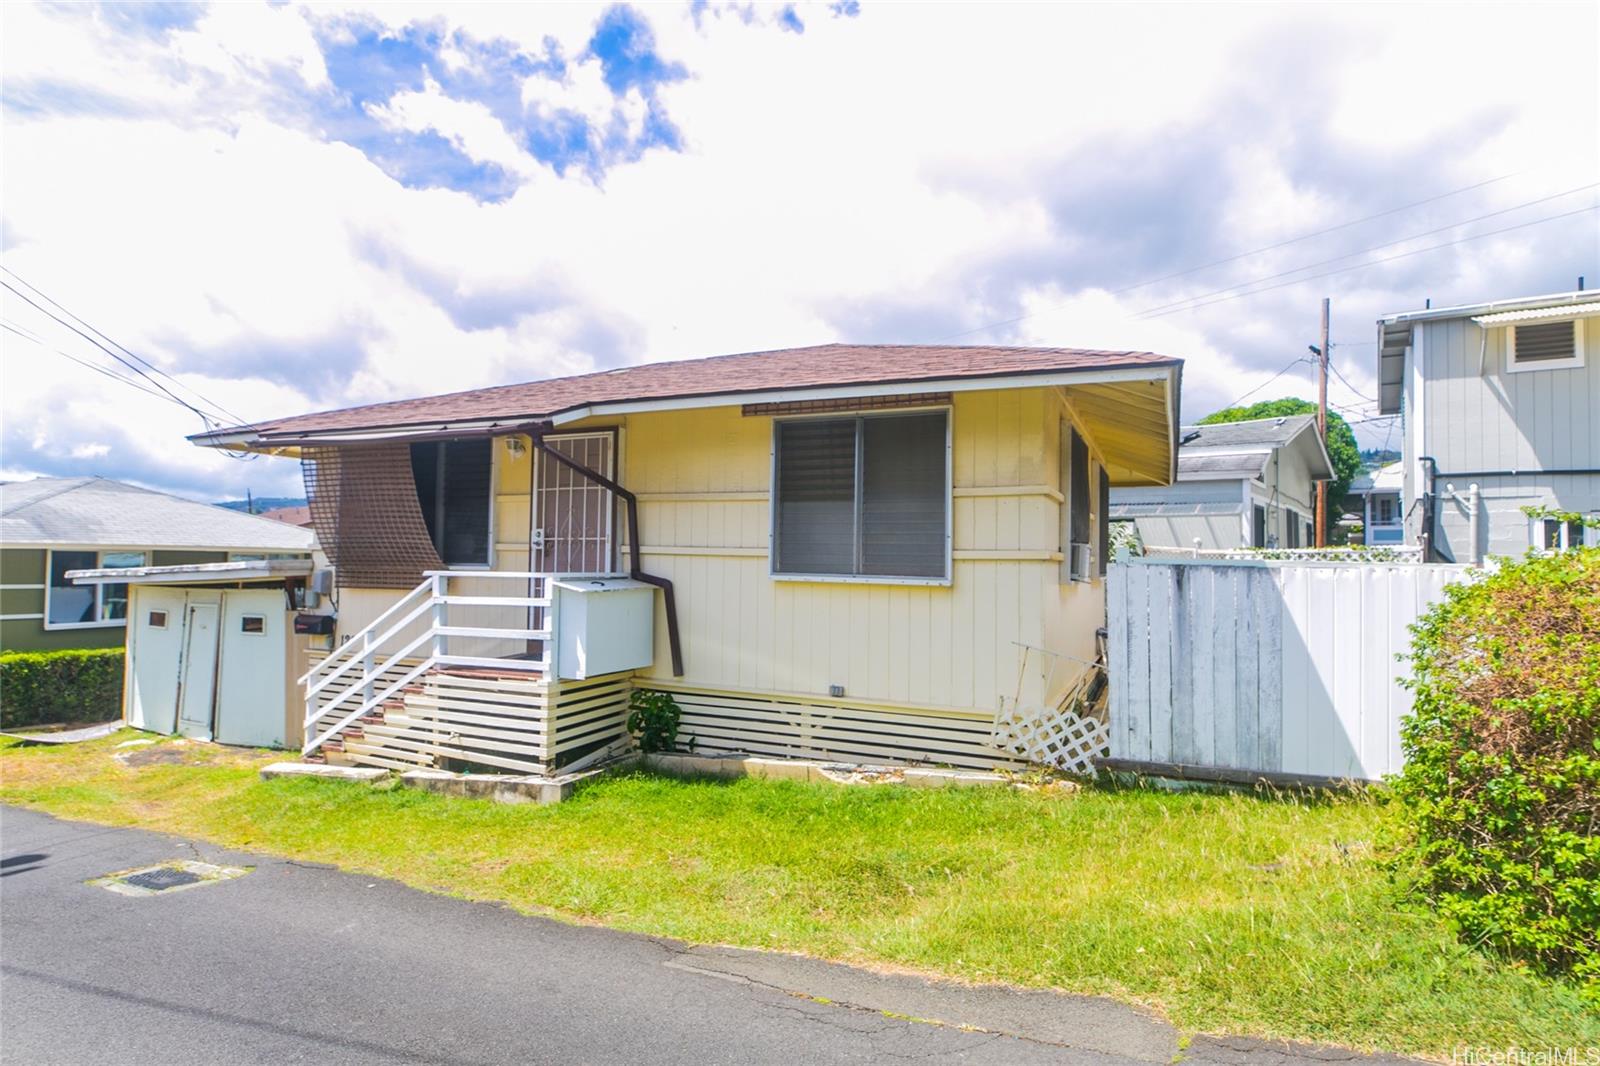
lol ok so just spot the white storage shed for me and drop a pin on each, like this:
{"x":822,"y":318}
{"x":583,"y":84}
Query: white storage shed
{"x":212,"y":652}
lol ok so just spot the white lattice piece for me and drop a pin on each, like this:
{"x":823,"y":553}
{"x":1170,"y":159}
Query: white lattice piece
{"x":1053,"y":736}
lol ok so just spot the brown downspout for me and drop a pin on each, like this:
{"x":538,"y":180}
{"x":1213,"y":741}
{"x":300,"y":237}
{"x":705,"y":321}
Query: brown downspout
{"x":635,"y":570}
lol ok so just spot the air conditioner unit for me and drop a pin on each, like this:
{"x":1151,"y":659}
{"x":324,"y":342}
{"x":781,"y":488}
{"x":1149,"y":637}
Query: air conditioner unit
{"x":1080,"y":563}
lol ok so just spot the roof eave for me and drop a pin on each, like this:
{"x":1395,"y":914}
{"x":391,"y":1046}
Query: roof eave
{"x":251,"y":439}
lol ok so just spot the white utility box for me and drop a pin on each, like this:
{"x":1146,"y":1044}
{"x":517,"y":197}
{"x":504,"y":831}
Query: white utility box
{"x":603,"y":625}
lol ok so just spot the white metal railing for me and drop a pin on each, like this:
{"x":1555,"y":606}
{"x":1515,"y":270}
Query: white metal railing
{"x":438,"y":623}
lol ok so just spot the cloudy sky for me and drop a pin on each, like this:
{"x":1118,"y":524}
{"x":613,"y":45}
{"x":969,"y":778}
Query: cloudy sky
{"x":291,"y":207}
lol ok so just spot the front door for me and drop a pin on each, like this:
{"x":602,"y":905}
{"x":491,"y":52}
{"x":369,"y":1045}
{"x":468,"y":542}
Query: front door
{"x":574,"y":520}
{"x":198,"y":694}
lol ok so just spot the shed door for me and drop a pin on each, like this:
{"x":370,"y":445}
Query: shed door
{"x":251,"y":685}
{"x":574,"y":520}
{"x":155,"y":653}
{"x":198,"y":694}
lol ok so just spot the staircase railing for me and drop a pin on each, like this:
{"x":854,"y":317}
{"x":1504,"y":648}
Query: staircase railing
{"x":438,"y":623}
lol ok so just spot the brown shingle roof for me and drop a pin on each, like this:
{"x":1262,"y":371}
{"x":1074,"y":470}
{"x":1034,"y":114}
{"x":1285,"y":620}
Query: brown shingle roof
{"x":821,"y":366}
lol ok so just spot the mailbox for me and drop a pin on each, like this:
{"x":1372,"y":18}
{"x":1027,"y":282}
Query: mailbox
{"x":315,"y":625}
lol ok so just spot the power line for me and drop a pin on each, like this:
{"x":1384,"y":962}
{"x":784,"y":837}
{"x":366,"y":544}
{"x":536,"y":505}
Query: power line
{"x":1296,"y":361}
{"x":1369,"y":263}
{"x":1246,"y":255}
{"x":1341,"y":377}
{"x":1150,"y":312}
{"x":113,"y":375}
{"x":209,"y":419}
{"x":1308,"y":236}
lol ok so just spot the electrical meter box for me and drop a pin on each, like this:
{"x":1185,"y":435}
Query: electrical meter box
{"x":604,"y":625}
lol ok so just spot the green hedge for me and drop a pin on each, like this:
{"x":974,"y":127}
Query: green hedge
{"x":79,"y":685}
{"x":1501,"y":787}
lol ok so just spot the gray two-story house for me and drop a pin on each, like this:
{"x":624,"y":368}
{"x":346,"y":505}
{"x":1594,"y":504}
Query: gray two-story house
{"x":1248,"y":484}
{"x":1501,"y":411}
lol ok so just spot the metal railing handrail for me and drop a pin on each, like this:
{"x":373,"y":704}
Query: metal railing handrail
{"x":362,"y":647}
{"x":364,"y":631}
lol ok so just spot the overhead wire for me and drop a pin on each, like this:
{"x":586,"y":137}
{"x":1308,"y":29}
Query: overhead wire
{"x":1202,"y":302}
{"x":1247,"y":254}
{"x":108,"y":372}
{"x":218,"y":415}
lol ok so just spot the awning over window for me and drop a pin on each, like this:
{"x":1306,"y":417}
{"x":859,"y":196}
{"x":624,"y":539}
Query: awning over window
{"x":1540,"y":314}
{"x":242,"y":570}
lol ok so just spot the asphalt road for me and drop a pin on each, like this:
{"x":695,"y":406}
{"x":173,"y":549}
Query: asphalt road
{"x":297,"y":963}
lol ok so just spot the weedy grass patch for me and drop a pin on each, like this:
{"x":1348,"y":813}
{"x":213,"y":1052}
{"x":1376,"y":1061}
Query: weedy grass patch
{"x":1265,"y":915}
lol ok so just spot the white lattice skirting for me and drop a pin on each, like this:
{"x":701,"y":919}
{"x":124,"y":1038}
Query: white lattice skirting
{"x":1052,"y":736}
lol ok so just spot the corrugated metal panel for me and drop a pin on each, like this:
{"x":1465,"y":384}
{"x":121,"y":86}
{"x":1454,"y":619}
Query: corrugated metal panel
{"x":1540,"y":314}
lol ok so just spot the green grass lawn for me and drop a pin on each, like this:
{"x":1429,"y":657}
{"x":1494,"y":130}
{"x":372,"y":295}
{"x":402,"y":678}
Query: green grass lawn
{"x":1226,"y":912}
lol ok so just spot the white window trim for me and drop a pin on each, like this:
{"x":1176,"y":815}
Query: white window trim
{"x":99,"y":591}
{"x":1588,"y":537}
{"x":1572,"y":362}
{"x":867,"y":579}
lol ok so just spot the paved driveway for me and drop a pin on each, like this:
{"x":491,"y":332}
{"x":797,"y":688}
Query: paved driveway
{"x":296,"y":963}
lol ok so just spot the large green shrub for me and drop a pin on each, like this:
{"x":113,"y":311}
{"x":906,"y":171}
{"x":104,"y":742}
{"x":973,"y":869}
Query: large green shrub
{"x":37,"y":687}
{"x":1501,"y":789}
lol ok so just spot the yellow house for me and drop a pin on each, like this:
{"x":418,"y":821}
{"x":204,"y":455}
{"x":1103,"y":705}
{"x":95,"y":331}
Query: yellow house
{"x":861,"y":553}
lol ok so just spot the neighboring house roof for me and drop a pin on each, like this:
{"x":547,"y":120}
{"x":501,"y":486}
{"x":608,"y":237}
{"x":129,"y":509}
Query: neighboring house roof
{"x":95,"y":512}
{"x":1260,"y":432}
{"x":1227,"y":450}
{"x":1388,"y":478}
{"x":1394,"y":330}
{"x":1215,"y":467}
{"x":295,"y":516}
{"x":824,"y":366}
{"x":1176,"y":509}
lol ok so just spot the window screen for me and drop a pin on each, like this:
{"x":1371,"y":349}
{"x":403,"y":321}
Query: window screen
{"x":863,"y":496}
{"x":453,"y":481}
{"x":71,"y":603}
{"x":1104,"y":533}
{"x":1078,"y":501}
{"x":1292,"y":529}
{"x":1258,"y":527}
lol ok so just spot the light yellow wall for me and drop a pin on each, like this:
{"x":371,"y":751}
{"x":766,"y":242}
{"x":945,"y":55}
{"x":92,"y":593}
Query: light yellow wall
{"x":702,"y":478}
{"x":1074,"y":609}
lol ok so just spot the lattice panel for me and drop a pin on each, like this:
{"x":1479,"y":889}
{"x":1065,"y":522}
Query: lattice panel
{"x":1053,"y":736}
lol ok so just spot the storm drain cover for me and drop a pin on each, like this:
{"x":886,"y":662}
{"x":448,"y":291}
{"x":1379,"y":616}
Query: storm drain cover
{"x":172,"y":876}
{"x":161,"y":878}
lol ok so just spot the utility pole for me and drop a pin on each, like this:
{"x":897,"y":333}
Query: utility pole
{"x":1322,"y":426}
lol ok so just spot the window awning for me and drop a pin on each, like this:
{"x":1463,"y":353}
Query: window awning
{"x":243,"y":570}
{"x":1540,"y":314}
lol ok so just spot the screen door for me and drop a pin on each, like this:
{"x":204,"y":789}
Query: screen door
{"x":574,"y":520}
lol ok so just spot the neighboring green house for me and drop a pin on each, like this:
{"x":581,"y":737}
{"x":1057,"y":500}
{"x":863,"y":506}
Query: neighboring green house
{"x":49,"y":526}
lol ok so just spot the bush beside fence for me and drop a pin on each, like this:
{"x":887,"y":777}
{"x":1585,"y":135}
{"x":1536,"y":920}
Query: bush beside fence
{"x":78,"y":685}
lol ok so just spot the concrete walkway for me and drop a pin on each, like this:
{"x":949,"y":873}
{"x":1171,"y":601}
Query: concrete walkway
{"x":300,"y":963}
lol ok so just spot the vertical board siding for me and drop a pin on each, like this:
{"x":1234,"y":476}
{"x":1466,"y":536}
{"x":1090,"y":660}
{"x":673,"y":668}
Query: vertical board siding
{"x":1273,"y":667}
{"x":703,"y":480}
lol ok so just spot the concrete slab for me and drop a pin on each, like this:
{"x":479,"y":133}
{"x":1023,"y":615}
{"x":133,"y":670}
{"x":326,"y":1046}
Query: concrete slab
{"x":365,"y":774}
{"x":957,"y":778}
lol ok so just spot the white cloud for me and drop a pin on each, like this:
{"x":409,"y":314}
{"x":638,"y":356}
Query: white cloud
{"x":469,"y":125}
{"x":911,"y":161}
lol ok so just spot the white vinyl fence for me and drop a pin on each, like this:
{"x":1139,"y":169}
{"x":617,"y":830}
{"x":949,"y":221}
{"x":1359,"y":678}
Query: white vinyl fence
{"x":1264,"y":666}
